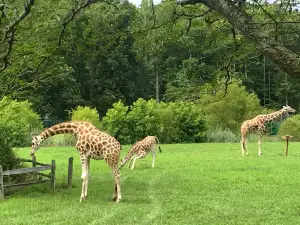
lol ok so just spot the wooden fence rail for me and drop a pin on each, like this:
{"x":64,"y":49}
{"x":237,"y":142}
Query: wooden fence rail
{"x":34,"y":169}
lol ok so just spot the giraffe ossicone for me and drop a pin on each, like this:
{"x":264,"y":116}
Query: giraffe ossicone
{"x":140,"y":149}
{"x":91,"y":144}
{"x":257,"y":125}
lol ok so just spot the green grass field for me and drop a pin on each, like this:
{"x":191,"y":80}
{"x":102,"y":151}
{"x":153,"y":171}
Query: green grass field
{"x":191,"y":184}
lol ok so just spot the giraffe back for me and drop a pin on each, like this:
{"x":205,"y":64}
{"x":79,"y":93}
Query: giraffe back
{"x":97,"y":144}
{"x":144,"y":145}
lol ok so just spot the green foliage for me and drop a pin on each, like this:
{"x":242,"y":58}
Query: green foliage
{"x":115,"y":121}
{"x":85,"y":113}
{"x":143,"y":119}
{"x":220,"y":135}
{"x":181,"y":122}
{"x":229,"y":112}
{"x":291,"y":126}
{"x":8,"y":158}
{"x":171,"y":122}
{"x":17,"y":121}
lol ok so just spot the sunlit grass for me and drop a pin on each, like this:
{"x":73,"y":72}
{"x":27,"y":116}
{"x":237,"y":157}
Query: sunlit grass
{"x":190,"y":184}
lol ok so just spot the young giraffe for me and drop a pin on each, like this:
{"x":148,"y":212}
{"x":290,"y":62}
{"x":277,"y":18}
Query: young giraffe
{"x":91,"y":144}
{"x":140,"y":149}
{"x":257,"y":125}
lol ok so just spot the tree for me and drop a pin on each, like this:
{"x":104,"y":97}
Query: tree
{"x":285,"y":58}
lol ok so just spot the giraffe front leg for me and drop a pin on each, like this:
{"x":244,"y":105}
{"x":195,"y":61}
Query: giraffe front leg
{"x":135,"y":158}
{"x":87,"y":178}
{"x":84,"y":177}
{"x":243,"y":145}
{"x":130,"y":162}
{"x":259,"y":144}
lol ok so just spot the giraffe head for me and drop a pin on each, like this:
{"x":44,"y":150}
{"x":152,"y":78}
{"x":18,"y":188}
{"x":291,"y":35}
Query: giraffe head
{"x":123,"y":162}
{"x":35,"y":144}
{"x":287,"y":109}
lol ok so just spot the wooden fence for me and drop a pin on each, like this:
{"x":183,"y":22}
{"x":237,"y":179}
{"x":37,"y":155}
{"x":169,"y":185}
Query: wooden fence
{"x":35,"y":169}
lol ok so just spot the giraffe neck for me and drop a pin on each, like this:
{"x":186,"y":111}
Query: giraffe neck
{"x":274,"y":115}
{"x":129,"y":154}
{"x":61,"y":128}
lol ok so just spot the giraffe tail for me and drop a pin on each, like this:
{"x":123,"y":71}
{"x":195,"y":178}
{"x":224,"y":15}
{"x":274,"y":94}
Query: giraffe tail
{"x":158,"y":144}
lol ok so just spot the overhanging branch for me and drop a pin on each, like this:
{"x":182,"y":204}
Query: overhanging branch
{"x":285,"y":58}
{"x":70,"y":17}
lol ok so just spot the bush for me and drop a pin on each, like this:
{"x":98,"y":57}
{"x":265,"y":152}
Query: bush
{"x":86,"y":114}
{"x":171,"y":122}
{"x":219,"y":135}
{"x":181,"y":122}
{"x":17,"y":121}
{"x":291,"y":126}
{"x":142,"y":119}
{"x":230,"y":112}
{"x":8,"y":159}
{"x":115,"y":122}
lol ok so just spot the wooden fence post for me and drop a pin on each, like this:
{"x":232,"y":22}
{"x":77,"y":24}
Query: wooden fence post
{"x":287,"y":138}
{"x":70,"y":172}
{"x":34,"y":165}
{"x":53,"y":167}
{"x":1,"y":184}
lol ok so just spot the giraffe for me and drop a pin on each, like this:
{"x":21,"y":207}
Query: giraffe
{"x":140,"y":149}
{"x":257,"y":125}
{"x":91,"y":144}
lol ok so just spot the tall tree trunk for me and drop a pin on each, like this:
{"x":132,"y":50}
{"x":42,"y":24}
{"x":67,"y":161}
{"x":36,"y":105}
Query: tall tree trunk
{"x":157,"y":86}
{"x":285,"y":58}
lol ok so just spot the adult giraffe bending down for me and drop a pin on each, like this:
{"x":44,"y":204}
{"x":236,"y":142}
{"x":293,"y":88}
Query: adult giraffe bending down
{"x":91,"y":144}
{"x":257,"y":125}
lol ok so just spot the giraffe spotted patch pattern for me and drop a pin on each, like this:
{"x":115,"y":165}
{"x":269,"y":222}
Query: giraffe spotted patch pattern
{"x":140,"y":150}
{"x":91,"y":144}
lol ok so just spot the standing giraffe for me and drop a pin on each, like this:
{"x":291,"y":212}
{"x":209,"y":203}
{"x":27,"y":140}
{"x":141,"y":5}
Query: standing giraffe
{"x":91,"y":143}
{"x":140,"y":149}
{"x":257,"y":125}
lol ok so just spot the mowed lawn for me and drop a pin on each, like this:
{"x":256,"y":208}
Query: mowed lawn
{"x":191,"y":184}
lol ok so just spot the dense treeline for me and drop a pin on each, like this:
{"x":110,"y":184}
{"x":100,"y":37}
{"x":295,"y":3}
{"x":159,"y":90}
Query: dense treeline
{"x":69,"y":53}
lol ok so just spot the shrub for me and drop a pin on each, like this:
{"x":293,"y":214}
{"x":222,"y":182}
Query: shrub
{"x":142,"y":119}
{"x":291,"y":126}
{"x":171,"y":122}
{"x":85,"y":113}
{"x":229,"y":112}
{"x":115,"y":122}
{"x":181,"y":122}
{"x":8,"y":159}
{"x":17,"y":120}
{"x":219,"y":135}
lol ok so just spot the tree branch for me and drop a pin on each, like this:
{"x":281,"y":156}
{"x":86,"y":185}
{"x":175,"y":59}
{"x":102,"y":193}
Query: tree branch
{"x":286,"y":59}
{"x":70,"y":17}
{"x":13,"y":25}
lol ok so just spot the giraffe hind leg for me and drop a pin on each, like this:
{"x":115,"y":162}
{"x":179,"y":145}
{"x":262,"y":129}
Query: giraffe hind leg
{"x":117,"y":189}
{"x":153,"y":156}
